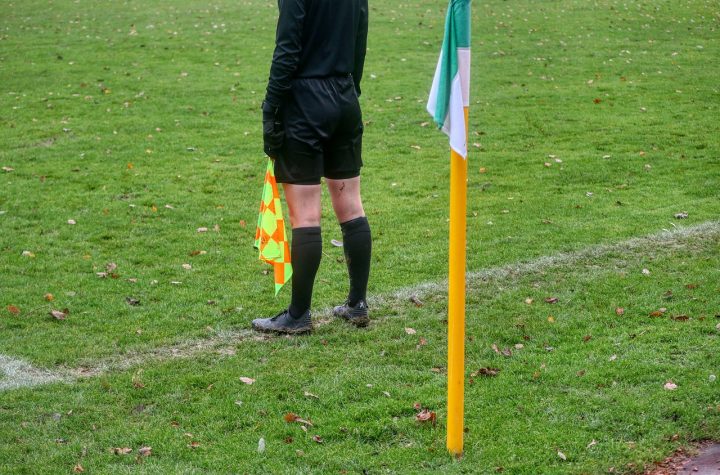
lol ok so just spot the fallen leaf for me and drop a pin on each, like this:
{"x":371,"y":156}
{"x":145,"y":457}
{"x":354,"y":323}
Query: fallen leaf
{"x":529,"y":301}
{"x":49,"y":297}
{"x":670,"y":386}
{"x":246,"y":380}
{"x":71,"y":221}
{"x":421,"y":342}
{"x":495,"y":348}
{"x":551,"y":300}
{"x":682,"y":215}
{"x":145,"y":451}
{"x":7,"y":169}
{"x":506,"y":352}
{"x":60,"y":315}
{"x":592,"y":443}
{"x":417,"y":406}
{"x":261,"y":445}
{"x":587,"y":338}
{"x":122,"y":450}
{"x":560,"y":454}
{"x":13,"y":309}
{"x":680,"y":318}
{"x":317,"y":438}
{"x":28,"y":254}
{"x":519,"y":346}
{"x":309,"y":394}
{"x":426,"y":415}
{"x":110,"y":266}
{"x":612,"y":358}
{"x":194,"y":444}
{"x":132,"y":301}
{"x":202,"y":230}
{"x":78,"y":468}
{"x":488,"y":372}
{"x":551,"y":319}
{"x":292,"y":417}
{"x":187,"y":266}
{"x":619,"y":311}
{"x":645,"y":272}
{"x":410,"y":331}
{"x":414,"y":299}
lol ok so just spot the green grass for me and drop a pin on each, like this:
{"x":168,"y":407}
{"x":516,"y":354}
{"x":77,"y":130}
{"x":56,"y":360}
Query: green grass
{"x":109,"y":112}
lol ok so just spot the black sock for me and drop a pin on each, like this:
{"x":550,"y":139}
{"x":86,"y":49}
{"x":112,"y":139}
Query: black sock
{"x":305,"y":256}
{"x":357,"y":245}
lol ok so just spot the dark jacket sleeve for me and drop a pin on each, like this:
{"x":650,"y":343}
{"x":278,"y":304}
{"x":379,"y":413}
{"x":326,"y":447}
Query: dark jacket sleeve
{"x":288,"y":47}
{"x":361,"y":46}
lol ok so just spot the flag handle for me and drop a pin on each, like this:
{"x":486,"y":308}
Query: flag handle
{"x":456,"y":301}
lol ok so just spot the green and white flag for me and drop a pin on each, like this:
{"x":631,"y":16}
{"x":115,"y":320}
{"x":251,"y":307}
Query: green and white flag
{"x":450,"y":91}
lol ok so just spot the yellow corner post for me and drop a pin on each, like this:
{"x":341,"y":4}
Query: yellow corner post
{"x":456,"y":301}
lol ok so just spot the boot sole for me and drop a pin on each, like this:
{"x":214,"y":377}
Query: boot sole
{"x":282,"y":332}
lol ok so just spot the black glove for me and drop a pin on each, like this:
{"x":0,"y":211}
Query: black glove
{"x":273,"y":130}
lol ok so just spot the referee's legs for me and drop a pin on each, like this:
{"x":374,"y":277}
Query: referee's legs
{"x":304,"y":209}
{"x":357,"y":240}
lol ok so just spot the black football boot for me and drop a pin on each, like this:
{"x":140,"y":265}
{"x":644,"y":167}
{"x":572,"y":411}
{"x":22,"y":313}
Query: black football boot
{"x":284,"y":323}
{"x":357,"y":314}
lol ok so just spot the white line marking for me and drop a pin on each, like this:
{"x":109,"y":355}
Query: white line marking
{"x":19,"y":373}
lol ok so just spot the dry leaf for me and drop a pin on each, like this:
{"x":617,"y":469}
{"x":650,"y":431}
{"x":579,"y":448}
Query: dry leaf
{"x":551,"y":319}
{"x":49,"y":297}
{"x":13,"y":309}
{"x":309,"y":394}
{"x":317,"y":438}
{"x":110,"y":266}
{"x":132,"y":301}
{"x":529,"y":301}
{"x":426,"y":415}
{"x":7,"y":169}
{"x":186,"y":266}
{"x":670,"y":386}
{"x":145,"y":451}
{"x":489,"y":372}
{"x":122,"y":450}
{"x":78,"y":469}
{"x":194,"y":444}
{"x":246,"y":380}
{"x":587,"y":338}
{"x":551,"y":300}
{"x":202,"y":230}
{"x":410,"y":331}
{"x":414,"y":299}
{"x":60,"y":315}
{"x":292,"y":417}
{"x":71,"y":221}
{"x":560,"y":454}
{"x":591,"y":444}
{"x":619,"y":311}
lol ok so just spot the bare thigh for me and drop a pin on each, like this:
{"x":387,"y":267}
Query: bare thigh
{"x":303,"y":204}
{"x":345,"y":196}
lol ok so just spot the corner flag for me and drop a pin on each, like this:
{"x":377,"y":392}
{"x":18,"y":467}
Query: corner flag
{"x":270,"y":236}
{"x":450,"y":91}
{"x":448,"y":104}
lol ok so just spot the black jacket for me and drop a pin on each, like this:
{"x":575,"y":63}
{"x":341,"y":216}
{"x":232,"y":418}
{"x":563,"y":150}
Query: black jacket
{"x":317,"y":38}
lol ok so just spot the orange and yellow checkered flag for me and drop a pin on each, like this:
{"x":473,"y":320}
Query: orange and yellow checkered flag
{"x":270,"y":236}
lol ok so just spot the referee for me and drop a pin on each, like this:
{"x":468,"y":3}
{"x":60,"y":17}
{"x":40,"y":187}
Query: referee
{"x":312,"y":128}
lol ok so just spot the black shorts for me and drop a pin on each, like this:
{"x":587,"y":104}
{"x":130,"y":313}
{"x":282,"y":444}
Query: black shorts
{"x":323,"y":132}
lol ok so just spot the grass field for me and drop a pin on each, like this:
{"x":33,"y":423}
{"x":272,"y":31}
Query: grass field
{"x":593,"y":124}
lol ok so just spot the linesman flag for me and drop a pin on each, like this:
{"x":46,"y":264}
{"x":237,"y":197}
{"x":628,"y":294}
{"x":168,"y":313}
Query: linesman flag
{"x":450,"y":91}
{"x":270,"y":237}
{"x":448,"y":103}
